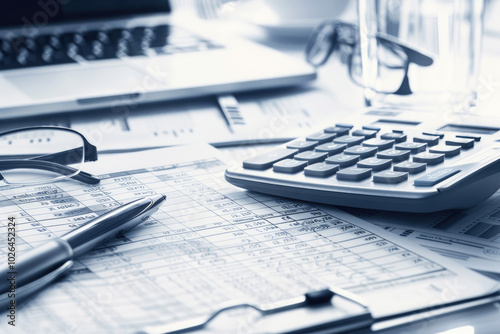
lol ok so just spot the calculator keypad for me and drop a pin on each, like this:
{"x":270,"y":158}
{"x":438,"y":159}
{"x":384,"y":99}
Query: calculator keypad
{"x":348,"y":154}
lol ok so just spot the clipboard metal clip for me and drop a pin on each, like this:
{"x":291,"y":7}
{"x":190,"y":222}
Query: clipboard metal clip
{"x":357,"y":314}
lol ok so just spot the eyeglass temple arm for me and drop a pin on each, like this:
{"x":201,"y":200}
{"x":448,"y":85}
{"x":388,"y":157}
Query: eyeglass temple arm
{"x":70,"y":156}
{"x":48,"y":166}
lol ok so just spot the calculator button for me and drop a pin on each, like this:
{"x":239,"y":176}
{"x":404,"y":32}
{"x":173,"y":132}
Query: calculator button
{"x":448,"y":151}
{"x":321,"y":169}
{"x":362,"y":151}
{"x":321,"y":137}
{"x":462,"y":142}
{"x":429,"y":140}
{"x":302,"y":145}
{"x":345,"y":125}
{"x":354,"y":174}
{"x":410,"y":167}
{"x":434,"y":133}
{"x":371,"y":127}
{"x":395,"y":155}
{"x":349,"y":140}
{"x":381,"y":144}
{"x":331,"y":148}
{"x":365,"y":133}
{"x":476,"y":138}
{"x":289,"y":166}
{"x":414,"y":148}
{"x":397,"y":137}
{"x":311,"y":157}
{"x":429,"y":158}
{"x":375,"y":163}
{"x":342,"y":160}
{"x":397,"y":131}
{"x":390,"y":177}
{"x":266,"y":160}
{"x":435,"y":177}
{"x":338,"y":130}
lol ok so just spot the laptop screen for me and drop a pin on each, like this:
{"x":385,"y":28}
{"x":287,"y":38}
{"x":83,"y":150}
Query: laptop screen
{"x":42,"y":12}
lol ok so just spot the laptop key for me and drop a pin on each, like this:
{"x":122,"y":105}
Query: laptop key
{"x":331,"y":148}
{"x":375,"y":163}
{"x":390,"y":177}
{"x":289,"y":166}
{"x":395,"y":155}
{"x":343,"y":160}
{"x":321,"y":169}
{"x":266,"y":160}
{"x":354,"y":174}
{"x":311,"y":157}
{"x":410,"y":167}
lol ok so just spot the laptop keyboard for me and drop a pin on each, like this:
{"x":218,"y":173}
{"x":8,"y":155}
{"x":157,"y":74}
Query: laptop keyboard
{"x":92,"y":45}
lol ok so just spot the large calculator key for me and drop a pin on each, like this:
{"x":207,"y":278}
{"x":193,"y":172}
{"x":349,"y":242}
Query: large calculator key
{"x":462,"y":142}
{"x":266,"y":160}
{"x":349,"y":140}
{"x":362,"y":151}
{"x":414,"y":148}
{"x":475,"y":137}
{"x":343,"y":160}
{"x":302,"y":145}
{"x":289,"y":166}
{"x":429,"y":140}
{"x":447,"y":150}
{"x":397,"y":137}
{"x":354,"y":174}
{"x":321,"y":169}
{"x":331,"y":148}
{"x":311,"y":157}
{"x":365,"y":133}
{"x":344,"y":125}
{"x":429,"y":158}
{"x":338,"y":130}
{"x":394,"y":155}
{"x":371,"y":127}
{"x":375,"y":163}
{"x":381,"y":144}
{"x":410,"y":167}
{"x":321,"y":137}
{"x":435,"y":177}
{"x":434,"y":133}
{"x":390,"y":177}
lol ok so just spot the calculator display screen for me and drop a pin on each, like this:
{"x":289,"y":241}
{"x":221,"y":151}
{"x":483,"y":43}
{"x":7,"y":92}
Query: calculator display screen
{"x":469,"y":129}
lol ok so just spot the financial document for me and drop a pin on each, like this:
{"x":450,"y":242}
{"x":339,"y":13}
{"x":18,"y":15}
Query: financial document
{"x":211,"y":243}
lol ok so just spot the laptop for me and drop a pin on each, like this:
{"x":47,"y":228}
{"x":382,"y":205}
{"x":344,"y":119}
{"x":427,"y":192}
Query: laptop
{"x":71,"y":55}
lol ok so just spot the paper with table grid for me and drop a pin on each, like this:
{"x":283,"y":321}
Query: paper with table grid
{"x":211,"y":243}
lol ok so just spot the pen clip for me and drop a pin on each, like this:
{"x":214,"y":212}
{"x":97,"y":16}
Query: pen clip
{"x":30,"y":288}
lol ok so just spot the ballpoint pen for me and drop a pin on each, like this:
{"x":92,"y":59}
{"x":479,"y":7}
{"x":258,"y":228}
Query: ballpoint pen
{"x":41,"y":265}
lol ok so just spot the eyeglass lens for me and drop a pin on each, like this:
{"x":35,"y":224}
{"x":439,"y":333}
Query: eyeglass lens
{"x":35,"y":156}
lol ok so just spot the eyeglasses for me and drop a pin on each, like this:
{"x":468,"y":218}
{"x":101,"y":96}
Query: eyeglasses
{"x":37,"y":155}
{"x":393,"y":57}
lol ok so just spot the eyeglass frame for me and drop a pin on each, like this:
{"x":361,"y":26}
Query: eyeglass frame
{"x":412,"y":55}
{"x":54,"y":162}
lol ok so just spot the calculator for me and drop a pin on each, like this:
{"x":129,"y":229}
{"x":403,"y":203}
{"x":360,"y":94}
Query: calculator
{"x":384,"y":159}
